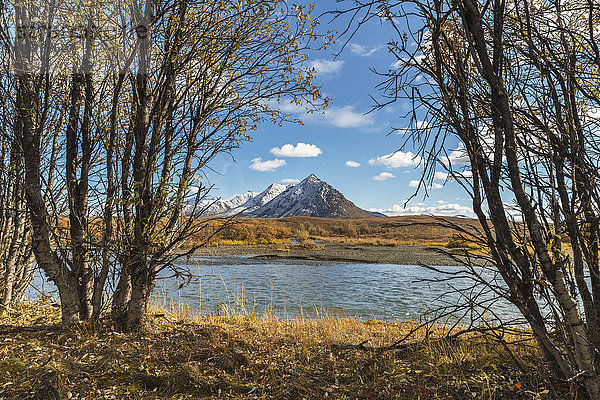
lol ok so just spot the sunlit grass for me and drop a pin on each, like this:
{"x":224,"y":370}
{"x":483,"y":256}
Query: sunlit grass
{"x":239,"y":353}
{"x":393,"y":231}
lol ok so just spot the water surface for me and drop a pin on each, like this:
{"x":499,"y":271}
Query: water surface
{"x":379,"y":291}
{"x":296,"y":287}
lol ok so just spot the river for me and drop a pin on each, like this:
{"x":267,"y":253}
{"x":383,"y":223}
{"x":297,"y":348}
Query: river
{"x":291,"y":288}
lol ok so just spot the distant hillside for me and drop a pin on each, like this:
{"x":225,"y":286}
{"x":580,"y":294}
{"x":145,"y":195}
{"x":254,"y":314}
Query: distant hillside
{"x":391,"y":231}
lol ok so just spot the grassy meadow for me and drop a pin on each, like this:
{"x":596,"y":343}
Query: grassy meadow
{"x":236,"y":355}
{"x":391,"y":231}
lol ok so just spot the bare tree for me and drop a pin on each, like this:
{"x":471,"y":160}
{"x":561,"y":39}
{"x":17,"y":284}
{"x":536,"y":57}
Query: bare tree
{"x":510,"y":93}
{"x":16,"y":265}
{"x":119,"y":118}
{"x":199,"y":89}
{"x":52,"y":80}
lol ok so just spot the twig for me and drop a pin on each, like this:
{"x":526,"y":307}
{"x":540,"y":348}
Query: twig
{"x":21,"y":329}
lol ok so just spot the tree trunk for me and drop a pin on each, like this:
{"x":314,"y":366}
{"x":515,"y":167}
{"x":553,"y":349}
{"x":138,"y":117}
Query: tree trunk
{"x":143,"y":285}
{"x":122,"y":296}
{"x":27,"y":109}
{"x":136,"y":275}
{"x":503,"y":119}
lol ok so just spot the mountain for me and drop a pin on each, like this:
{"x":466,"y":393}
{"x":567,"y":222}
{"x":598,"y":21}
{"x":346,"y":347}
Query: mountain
{"x":225,"y":206}
{"x":274,"y":190}
{"x":311,"y":197}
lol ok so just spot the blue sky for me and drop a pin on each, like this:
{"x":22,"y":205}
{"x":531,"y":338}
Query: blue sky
{"x":345,"y":147}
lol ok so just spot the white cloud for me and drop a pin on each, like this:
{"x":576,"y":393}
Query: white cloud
{"x":289,"y":180}
{"x":266,"y":166}
{"x":397,"y":160}
{"x":362,"y":51}
{"x":352,"y":164}
{"x":417,"y":126}
{"x":487,"y":140}
{"x":451,"y":176}
{"x":446,"y":209}
{"x":594,"y":113}
{"x":383,"y":176}
{"x":458,"y":156}
{"x":288,"y":107}
{"x":422,"y":125}
{"x":415,"y":184}
{"x":340,"y":117}
{"x":326,"y":67}
{"x":464,"y":174}
{"x":344,"y":117}
{"x":300,"y":150}
{"x":513,"y":210}
{"x":440,"y":176}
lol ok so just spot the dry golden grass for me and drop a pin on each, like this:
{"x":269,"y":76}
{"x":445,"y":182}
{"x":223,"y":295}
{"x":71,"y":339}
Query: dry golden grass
{"x":238,"y":355}
{"x":393,"y":231}
{"x":390,"y":231}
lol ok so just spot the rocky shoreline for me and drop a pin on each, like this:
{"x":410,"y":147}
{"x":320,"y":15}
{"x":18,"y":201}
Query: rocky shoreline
{"x":338,"y":252}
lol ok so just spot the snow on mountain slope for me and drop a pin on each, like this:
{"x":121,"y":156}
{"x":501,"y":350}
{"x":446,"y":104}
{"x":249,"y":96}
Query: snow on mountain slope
{"x":274,"y":190}
{"x":223,"y":206}
{"x":235,"y":205}
{"x":311,"y":197}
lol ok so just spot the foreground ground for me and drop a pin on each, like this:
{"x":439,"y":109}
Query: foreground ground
{"x":233,"y":356}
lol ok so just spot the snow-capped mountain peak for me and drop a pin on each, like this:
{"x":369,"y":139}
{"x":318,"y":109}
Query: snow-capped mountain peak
{"x":223,"y":206}
{"x":312,"y":178}
{"x":240,"y":199}
{"x":274,"y":190}
{"x":310,"y":197}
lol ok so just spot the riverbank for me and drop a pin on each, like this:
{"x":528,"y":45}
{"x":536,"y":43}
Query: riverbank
{"x":244,"y":356}
{"x":339,"y":252}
